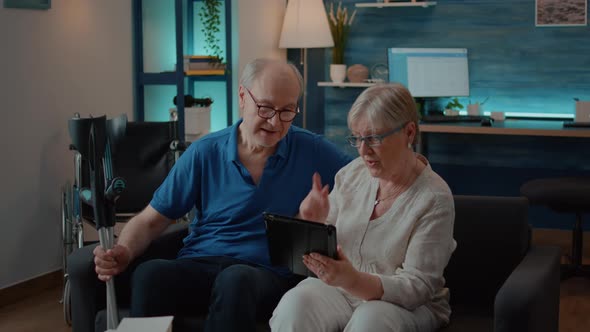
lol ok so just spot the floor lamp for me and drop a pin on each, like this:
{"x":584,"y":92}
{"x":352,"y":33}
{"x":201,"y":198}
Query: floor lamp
{"x":305,"y":26}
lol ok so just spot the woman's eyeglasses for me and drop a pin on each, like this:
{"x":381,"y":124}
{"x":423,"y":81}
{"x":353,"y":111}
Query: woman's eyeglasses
{"x":268,"y":112}
{"x":372,"y":140}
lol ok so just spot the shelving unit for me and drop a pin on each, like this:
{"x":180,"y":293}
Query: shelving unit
{"x":346,"y":85}
{"x":412,"y":3}
{"x":184,"y":82}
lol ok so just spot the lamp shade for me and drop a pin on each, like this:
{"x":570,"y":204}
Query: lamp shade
{"x":305,"y":25}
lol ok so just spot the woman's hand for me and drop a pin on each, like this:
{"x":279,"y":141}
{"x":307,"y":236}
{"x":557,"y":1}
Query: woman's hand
{"x":316,"y":206}
{"x":338,"y":273}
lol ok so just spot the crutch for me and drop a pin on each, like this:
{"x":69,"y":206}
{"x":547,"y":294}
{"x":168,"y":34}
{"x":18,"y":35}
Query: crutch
{"x":105,"y":189}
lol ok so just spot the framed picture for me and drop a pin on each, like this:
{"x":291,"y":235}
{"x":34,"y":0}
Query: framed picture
{"x":561,"y":13}
{"x":28,"y":4}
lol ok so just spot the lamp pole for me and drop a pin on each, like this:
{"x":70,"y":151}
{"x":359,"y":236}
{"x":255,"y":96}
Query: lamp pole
{"x":304,"y":97}
{"x":305,"y":25}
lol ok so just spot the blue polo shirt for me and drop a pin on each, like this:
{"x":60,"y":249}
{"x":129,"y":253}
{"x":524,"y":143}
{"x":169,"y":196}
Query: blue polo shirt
{"x":228,"y":222}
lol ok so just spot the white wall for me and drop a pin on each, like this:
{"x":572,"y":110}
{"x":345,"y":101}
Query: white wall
{"x":75,"y":57}
{"x":259,"y":29}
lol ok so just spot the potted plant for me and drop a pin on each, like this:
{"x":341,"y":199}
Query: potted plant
{"x":453,"y":107}
{"x":340,"y":23}
{"x":210,"y":17}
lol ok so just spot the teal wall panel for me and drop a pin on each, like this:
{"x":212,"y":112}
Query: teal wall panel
{"x":158,"y":102}
{"x":215,"y":91}
{"x":159,"y":37}
{"x":522,"y":68}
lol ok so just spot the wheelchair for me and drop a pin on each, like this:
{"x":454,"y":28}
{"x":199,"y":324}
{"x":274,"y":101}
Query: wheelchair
{"x":143,"y":156}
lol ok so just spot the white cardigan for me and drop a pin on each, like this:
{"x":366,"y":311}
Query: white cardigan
{"x":409,"y":246}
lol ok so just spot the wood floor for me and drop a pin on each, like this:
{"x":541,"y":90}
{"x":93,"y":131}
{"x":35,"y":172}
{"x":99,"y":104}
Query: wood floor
{"x":43,"y":312}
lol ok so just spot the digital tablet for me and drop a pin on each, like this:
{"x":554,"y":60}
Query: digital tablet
{"x":290,"y":238}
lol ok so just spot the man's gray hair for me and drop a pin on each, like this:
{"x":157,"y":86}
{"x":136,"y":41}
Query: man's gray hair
{"x":385,"y":106}
{"x":254,"y":68}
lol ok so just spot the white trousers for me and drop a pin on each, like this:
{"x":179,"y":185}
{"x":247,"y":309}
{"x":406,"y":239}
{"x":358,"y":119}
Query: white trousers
{"x":313,"y":306}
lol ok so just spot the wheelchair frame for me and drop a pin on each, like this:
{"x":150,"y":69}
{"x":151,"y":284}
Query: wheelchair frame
{"x":72,"y":217}
{"x":72,"y":228}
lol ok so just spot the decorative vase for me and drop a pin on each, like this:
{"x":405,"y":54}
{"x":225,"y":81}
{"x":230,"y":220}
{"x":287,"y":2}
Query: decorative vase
{"x":337,"y":73}
{"x":474,"y":109}
{"x":357,"y":73}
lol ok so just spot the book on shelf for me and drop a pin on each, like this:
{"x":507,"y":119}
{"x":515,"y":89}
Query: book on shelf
{"x":197,"y":58}
{"x":202,"y":72}
{"x":201,"y":62}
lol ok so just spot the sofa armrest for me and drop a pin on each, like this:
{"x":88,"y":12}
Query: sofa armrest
{"x":529,"y":299}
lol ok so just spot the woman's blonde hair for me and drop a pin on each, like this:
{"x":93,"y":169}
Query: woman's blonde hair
{"x":385,"y":106}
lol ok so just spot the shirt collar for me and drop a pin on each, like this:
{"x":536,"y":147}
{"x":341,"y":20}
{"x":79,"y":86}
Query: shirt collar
{"x":232,"y":144}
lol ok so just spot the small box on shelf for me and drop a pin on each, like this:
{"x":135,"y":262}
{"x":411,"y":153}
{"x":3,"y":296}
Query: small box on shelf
{"x":582,"y":111}
{"x":197,"y":121}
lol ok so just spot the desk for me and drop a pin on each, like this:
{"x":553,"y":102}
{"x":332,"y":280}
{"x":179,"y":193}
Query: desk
{"x":497,"y":160}
{"x":507,"y":127}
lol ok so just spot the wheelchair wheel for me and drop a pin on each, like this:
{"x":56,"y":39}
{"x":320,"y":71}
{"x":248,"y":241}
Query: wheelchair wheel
{"x":67,"y":222}
{"x":68,"y":242}
{"x":67,"y":301}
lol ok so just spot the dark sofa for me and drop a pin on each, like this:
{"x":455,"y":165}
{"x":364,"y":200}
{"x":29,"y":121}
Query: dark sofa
{"x":498,"y":281}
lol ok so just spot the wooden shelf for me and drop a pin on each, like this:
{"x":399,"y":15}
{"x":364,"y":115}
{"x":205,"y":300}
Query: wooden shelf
{"x":423,"y":4}
{"x":346,"y":84}
{"x":163,"y":78}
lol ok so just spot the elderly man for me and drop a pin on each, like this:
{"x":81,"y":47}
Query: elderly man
{"x":230,"y":177}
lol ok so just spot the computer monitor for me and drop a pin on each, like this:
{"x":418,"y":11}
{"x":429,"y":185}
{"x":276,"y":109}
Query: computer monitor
{"x":430,"y":72}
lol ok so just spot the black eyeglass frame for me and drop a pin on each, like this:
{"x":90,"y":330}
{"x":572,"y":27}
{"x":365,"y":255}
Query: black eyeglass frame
{"x":273,"y":110}
{"x":372,"y":140}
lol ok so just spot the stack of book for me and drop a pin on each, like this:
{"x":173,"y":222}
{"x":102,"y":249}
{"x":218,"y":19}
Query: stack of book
{"x":203,"y":65}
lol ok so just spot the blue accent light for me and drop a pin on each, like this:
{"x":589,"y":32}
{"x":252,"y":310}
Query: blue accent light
{"x":215,"y":91}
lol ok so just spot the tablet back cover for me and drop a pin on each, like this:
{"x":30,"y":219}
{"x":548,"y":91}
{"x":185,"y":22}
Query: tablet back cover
{"x":289,"y":239}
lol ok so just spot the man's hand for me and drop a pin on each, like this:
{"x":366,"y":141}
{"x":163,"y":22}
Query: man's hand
{"x":316,"y":206}
{"x":111,"y":262}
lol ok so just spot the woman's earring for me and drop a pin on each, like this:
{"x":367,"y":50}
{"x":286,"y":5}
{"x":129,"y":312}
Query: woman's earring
{"x":410,"y":146}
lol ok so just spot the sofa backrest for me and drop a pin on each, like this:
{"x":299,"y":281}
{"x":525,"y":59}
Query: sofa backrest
{"x":492,"y":235}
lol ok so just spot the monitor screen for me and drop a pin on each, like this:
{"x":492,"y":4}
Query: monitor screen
{"x":430,"y":72}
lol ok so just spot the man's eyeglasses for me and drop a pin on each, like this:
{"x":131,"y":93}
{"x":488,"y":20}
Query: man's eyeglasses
{"x":267,"y":112}
{"x":372,"y":140}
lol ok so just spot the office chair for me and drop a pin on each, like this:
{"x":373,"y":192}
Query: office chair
{"x":565,"y":195}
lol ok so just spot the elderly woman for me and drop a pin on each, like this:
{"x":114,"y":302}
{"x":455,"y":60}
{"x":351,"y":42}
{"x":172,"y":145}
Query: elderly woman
{"x":394,"y":217}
